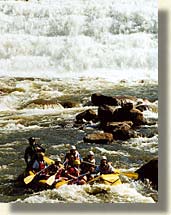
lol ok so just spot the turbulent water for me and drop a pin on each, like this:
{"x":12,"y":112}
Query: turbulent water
{"x":57,"y":51}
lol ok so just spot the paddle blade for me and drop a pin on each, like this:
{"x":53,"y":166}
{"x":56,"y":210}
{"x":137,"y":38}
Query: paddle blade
{"x":51,"y":180}
{"x":132,"y":175}
{"x":61,"y":183}
{"x":48,"y":160}
{"x":28,"y":179}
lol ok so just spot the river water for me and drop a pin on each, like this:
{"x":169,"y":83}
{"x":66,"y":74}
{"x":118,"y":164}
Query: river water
{"x":63,"y":51}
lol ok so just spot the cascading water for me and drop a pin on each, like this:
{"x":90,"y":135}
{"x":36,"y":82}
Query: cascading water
{"x":61,"y":50}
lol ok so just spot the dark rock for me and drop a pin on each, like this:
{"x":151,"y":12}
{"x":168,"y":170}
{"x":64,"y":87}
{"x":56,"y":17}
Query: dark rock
{"x":149,"y":171}
{"x":99,"y":138}
{"x":120,"y":115}
{"x":120,"y":130}
{"x":126,"y":113}
{"x":88,"y":115}
{"x":110,"y":126}
{"x":105,"y":113}
{"x":99,"y":99}
{"x":69,"y":104}
{"x":127,"y":106}
{"x":123,"y":134}
{"x":134,"y":115}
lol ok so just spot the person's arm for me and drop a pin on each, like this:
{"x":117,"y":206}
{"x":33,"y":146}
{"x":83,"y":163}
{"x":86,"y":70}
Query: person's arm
{"x":65,"y":163}
{"x":111,"y":169}
{"x":70,"y":175}
{"x":80,"y":157}
{"x":38,"y":148}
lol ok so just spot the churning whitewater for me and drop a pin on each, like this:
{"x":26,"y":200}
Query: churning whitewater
{"x":54,"y":54}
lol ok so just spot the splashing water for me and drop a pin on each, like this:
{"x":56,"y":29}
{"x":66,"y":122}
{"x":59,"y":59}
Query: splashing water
{"x":54,"y":51}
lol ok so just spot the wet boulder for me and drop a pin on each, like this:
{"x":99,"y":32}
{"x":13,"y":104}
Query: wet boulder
{"x":136,"y":116}
{"x":69,"y":104}
{"x":105,"y":113}
{"x":125,"y":113}
{"x":128,"y":114}
{"x":99,"y":138}
{"x":112,"y":126}
{"x":123,"y":134}
{"x":127,"y":106}
{"x":108,"y":113}
{"x":120,"y":130}
{"x":88,"y":115}
{"x":149,"y":171}
{"x":98,"y":99}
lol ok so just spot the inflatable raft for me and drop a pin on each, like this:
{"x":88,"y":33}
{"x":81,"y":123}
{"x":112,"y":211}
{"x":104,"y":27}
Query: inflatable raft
{"x":32,"y":181}
{"x":107,"y":179}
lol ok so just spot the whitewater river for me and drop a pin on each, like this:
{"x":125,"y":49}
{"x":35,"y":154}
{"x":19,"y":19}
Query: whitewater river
{"x":56,"y":51}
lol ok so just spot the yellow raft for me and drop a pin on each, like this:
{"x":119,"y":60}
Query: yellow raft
{"x":108,"y":179}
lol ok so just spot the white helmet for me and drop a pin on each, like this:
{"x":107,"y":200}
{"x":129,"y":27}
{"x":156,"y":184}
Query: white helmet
{"x":90,"y":153}
{"x":104,"y":158}
{"x":73,"y":147}
{"x":58,"y":159}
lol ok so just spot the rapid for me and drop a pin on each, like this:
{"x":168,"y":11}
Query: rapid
{"x":59,"y":51}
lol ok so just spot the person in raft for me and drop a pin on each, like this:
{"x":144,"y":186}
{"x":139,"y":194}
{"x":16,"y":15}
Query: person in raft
{"x":31,"y":151}
{"x":71,"y":156}
{"x":105,"y":167}
{"x":88,"y":162}
{"x":58,"y":169}
{"x":88,"y":165}
{"x":73,"y":172}
{"x":40,"y":165}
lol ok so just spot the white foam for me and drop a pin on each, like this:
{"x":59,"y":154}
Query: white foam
{"x":50,"y":39}
{"x":82,"y":194}
{"x":128,"y":193}
{"x":113,"y":153}
{"x":145,"y":144}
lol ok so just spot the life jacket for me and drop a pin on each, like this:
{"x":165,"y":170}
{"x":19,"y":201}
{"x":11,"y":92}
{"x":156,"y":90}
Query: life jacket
{"x":41,"y":165}
{"x":73,"y":171}
{"x":91,"y":161}
{"x":106,"y":170}
{"x":85,"y":167}
{"x":38,"y":166}
{"x":59,"y":172}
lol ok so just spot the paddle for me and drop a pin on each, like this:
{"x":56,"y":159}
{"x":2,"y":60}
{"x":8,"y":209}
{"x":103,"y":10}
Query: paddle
{"x":29,"y":178}
{"x":51,"y":179}
{"x":47,"y":160}
{"x":132,"y":175}
{"x":61,"y":183}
